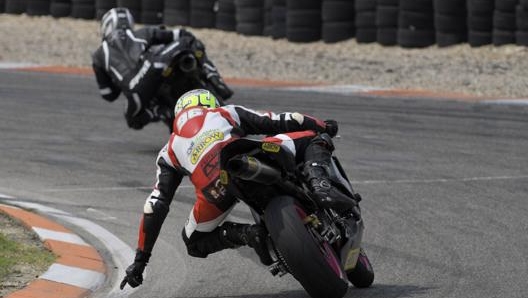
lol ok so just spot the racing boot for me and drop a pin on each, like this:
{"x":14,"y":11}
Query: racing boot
{"x":253,"y":236}
{"x":326,"y":195}
{"x":221,"y":88}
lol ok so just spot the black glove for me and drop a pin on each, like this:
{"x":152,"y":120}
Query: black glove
{"x":134,"y":272}
{"x":331,"y":127}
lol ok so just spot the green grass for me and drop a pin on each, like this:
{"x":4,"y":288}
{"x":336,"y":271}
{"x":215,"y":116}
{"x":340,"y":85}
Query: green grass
{"x":13,"y":253}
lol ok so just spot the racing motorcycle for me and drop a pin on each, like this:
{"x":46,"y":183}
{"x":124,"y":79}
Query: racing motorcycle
{"x":320,"y":247}
{"x":185,"y":71}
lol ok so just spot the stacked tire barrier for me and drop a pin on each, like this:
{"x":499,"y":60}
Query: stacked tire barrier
{"x":338,"y":18}
{"x":151,"y":12}
{"x":176,"y":12}
{"x":521,"y":17}
{"x":268,"y":18}
{"x":450,"y":22}
{"x":102,"y":6}
{"x":38,"y":7}
{"x":203,"y":14}
{"x":480,"y":22}
{"x":83,"y":9}
{"x":249,"y":17}
{"x":504,"y":22}
{"x":387,"y":12}
{"x":226,"y":15}
{"x":416,"y":24}
{"x":15,"y":6}
{"x":366,"y":30}
{"x":278,"y":18}
{"x":60,"y":8}
{"x":303,"y":20}
{"x":407,"y":23}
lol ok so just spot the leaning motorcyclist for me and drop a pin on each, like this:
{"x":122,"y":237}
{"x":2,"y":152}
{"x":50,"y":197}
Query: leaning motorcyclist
{"x":201,"y":129}
{"x":123,"y":63}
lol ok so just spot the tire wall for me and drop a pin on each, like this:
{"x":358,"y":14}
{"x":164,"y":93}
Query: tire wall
{"x":403,"y":23}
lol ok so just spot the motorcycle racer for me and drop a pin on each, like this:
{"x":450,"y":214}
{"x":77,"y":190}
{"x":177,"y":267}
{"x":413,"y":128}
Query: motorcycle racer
{"x":201,"y":130}
{"x":124,"y":63}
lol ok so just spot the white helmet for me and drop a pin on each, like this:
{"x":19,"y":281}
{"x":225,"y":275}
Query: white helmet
{"x":116,"y":18}
{"x":195,"y":98}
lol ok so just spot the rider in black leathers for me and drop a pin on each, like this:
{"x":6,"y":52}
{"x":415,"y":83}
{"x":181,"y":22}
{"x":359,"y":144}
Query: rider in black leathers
{"x":123,"y":63}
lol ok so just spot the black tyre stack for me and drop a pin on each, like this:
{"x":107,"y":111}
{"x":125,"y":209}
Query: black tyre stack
{"x":450,"y":22}
{"x":134,"y":6}
{"x":480,"y":22}
{"x":521,"y":35}
{"x":303,"y":20}
{"x":202,"y":14}
{"x":176,"y":12}
{"x":504,"y":22}
{"x":268,"y":18}
{"x":38,"y":7}
{"x":152,"y":12}
{"x":226,"y":15}
{"x":60,"y":8}
{"x":338,"y":18}
{"x":250,"y":17}
{"x":15,"y":6}
{"x":83,"y":9}
{"x":102,"y":6}
{"x":387,"y":12}
{"x":278,"y":17}
{"x":366,"y":30}
{"x":416,"y":24}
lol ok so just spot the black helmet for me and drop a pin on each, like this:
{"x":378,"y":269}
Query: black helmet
{"x":116,"y":18}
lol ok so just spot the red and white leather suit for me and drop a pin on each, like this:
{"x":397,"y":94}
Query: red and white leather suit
{"x":193,"y":150}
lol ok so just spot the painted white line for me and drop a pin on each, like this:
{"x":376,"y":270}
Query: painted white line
{"x":121,"y":253}
{"x":467,"y":179}
{"x":339,"y":89}
{"x":14,"y":65}
{"x":2,"y":196}
{"x":100,"y":214}
{"x":45,"y":234}
{"x":75,"y":276}
{"x":517,"y":102}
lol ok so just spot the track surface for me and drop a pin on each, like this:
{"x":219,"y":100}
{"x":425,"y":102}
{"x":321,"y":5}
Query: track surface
{"x":444,"y":186}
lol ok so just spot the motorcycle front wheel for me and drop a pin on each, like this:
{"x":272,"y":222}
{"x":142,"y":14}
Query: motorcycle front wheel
{"x":312,"y":262}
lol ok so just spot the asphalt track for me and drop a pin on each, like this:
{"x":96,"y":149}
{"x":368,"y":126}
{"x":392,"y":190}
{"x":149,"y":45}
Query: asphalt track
{"x":444,"y":183}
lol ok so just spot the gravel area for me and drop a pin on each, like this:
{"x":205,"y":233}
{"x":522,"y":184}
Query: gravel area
{"x":485,"y":71}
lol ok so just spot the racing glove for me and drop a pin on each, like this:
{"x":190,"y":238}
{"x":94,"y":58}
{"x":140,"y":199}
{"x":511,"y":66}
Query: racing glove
{"x":331,"y":127}
{"x":134,"y":272}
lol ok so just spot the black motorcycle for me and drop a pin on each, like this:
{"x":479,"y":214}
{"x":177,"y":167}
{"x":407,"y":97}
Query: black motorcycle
{"x":184,"y":72}
{"x":320,"y":247}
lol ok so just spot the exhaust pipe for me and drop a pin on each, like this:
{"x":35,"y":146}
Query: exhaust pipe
{"x":251,"y":169}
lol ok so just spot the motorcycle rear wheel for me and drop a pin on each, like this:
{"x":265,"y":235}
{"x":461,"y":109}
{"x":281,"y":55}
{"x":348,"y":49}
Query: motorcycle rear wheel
{"x":314,"y":264}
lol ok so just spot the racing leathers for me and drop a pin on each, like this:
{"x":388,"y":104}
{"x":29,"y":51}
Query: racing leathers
{"x":127,"y":62}
{"x":199,"y":134}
